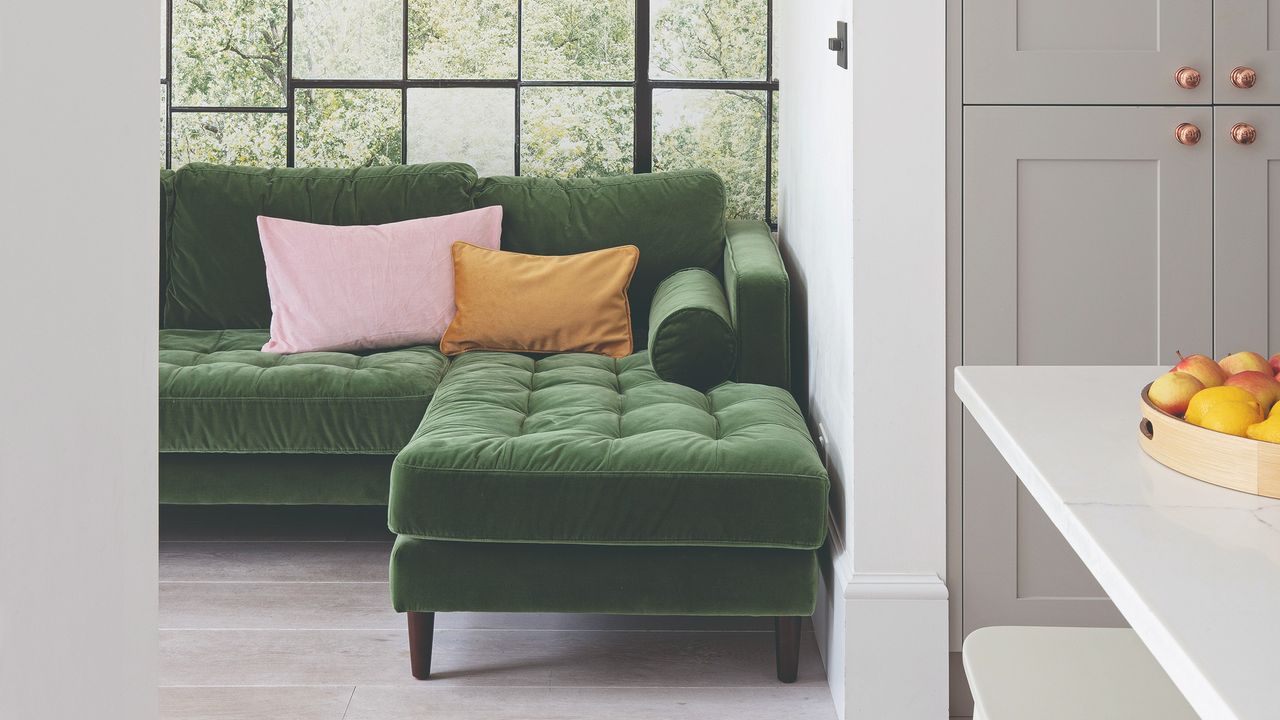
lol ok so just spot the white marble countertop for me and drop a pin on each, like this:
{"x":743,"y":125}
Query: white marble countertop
{"x":1193,"y":567}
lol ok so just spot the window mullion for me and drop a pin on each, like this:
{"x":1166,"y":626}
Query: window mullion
{"x":404,"y":77}
{"x":643,"y":143}
{"x":289,"y":100}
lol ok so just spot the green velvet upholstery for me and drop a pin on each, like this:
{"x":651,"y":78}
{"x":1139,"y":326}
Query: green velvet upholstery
{"x":166,"y":217}
{"x":220,"y":393}
{"x":691,"y":339}
{"x":217,"y":278}
{"x":587,"y":449}
{"x":241,"y":426}
{"x":435,"y":576}
{"x":758,"y":290}
{"x":273,"y":479}
{"x":675,"y":218}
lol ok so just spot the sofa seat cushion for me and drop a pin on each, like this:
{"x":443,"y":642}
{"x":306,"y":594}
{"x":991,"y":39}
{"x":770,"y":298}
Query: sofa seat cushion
{"x":586,"y":449}
{"x":220,"y":393}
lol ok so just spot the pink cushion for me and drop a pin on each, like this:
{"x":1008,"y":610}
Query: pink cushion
{"x":359,"y":287}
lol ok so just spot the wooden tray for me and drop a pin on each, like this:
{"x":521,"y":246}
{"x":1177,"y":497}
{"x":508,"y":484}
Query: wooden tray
{"x":1238,"y":463}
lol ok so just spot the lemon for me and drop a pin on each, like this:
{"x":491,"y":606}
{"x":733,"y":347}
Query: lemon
{"x":1232,"y":418}
{"x":1267,"y":430}
{"x":1204,"y":401}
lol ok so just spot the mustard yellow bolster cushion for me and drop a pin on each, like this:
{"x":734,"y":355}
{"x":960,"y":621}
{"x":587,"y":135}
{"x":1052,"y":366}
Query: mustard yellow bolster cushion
{"x":541,"y":303}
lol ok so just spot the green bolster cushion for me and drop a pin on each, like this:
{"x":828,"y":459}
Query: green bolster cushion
{"x":691,"y":339}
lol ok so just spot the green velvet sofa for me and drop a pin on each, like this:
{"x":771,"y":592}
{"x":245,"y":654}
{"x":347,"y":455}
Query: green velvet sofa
{"x":566,"y":483}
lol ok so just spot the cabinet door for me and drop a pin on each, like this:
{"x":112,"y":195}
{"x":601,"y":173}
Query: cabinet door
{"x":1247,"y":36}
{"x":1246,"y":218}
{"x":1087,"y":241}
{"x":1077,"y":52}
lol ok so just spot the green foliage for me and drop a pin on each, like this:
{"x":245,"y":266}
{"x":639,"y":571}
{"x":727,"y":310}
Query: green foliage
{"x":709,"y":39}
{"x":576,"y":132}
{"x":229,"y":52}
{"x":347,"y":128}
{"x":462,"y":38}
{"x":347,"y":39}
{"x":229,"y":138}
{"x":718,"y":129}
{"x":233,"y":53}
{"x":579,"y":39}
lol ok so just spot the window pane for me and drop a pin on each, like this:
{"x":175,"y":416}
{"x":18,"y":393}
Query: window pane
{"x":579,"y":39}
{"x":773,"y":179}
{"x":576,"y":131}
{"x":709,"y":39}
{"x":723,"y":130}
{"x":229,"y":52}
{"x":346,"y":128}
{"x":471,"y":125}
{"x":347,"y":39}
{"x":164,"y":39}
{"x":229,"y":138}
{"x":462,"y":38}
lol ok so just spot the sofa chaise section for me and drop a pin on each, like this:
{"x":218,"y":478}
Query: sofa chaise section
{"x":578,"y":483}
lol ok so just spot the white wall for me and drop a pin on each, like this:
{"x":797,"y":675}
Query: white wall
{"x":78,"y":289}
{"x":862,"y":222}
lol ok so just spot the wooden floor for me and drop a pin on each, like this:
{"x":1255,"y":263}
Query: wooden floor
{"x":285,"y":614}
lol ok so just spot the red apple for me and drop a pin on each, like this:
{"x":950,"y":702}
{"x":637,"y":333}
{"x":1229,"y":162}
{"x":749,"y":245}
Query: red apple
{"x":1244,"y":362}
{"x":1275,"y":363}
{"x":1209,"y":373}
{"x":1172,"y":391}
{"x":1261,"y":385}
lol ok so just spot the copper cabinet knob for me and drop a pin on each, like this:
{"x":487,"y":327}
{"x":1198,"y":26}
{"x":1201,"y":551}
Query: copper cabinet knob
{"x":1244,"y":77}
{"x":1187,"y":77}
{"x":1187,"y":134}
{"x":1244,"y":133}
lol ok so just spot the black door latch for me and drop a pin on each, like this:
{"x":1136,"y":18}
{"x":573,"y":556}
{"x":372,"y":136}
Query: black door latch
{"x":840,"y":44}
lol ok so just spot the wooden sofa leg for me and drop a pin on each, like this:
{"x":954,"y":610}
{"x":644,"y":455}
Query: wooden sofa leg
{"x":786,"y":646}
{"x":422,"y":626}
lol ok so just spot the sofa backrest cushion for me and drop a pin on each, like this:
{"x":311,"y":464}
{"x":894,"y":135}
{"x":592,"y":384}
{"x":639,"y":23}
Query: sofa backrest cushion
{"x":166,"y":219}
{"x":216,"y":273}
{"x":676,"y":219}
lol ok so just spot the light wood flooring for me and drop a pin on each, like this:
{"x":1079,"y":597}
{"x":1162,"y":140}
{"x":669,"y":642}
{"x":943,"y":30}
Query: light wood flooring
{"x":284,"y":613}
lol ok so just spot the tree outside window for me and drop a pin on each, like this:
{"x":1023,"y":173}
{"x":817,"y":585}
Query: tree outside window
{"x":564,"y":88}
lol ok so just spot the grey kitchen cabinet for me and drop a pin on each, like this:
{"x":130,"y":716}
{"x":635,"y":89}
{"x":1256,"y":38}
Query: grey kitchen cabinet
{"x":1087,"y":240}
{"x":1080,"y":52}
{"x":1246,"y":51}
{"x":1246,"y":218}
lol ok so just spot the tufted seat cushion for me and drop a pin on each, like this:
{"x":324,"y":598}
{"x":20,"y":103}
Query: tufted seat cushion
{"x":219,"y":393}
{"x":587,"y":449}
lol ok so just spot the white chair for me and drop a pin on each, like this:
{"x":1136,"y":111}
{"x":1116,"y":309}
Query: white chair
{"x":1055,"y":673}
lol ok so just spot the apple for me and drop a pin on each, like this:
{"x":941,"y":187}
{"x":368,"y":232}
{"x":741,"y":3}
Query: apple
{"x":1172,"y":391}
{"x":1244,"y":362}
{"x":1209,"y":373}
{"x":1261,"y":385}
{"x":1275,"y":363}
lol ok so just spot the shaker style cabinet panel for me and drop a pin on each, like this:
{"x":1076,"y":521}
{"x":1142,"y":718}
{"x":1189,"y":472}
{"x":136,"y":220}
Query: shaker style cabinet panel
{"x":1087,"y":240}
{"x":1080,"y":52}
{"x":1246,"y":51}
{"x":1246,"y":218}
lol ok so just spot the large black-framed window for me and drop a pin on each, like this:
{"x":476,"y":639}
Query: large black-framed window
{"x":535,"y":87}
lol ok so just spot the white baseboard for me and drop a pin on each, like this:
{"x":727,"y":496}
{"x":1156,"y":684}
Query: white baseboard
{"x":883,"y":638}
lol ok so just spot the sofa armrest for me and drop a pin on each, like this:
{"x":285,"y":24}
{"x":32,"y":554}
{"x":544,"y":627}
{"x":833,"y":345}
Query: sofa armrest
{"x":758,"y":291}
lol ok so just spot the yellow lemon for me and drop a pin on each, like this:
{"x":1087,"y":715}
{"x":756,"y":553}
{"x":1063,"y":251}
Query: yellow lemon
{"x":1205,"y":400}
{"x":1232,"y":418}
{"x":1267,"y":430}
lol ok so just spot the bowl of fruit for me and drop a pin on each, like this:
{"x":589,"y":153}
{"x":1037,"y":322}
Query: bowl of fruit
{"x":1217,"y":421}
